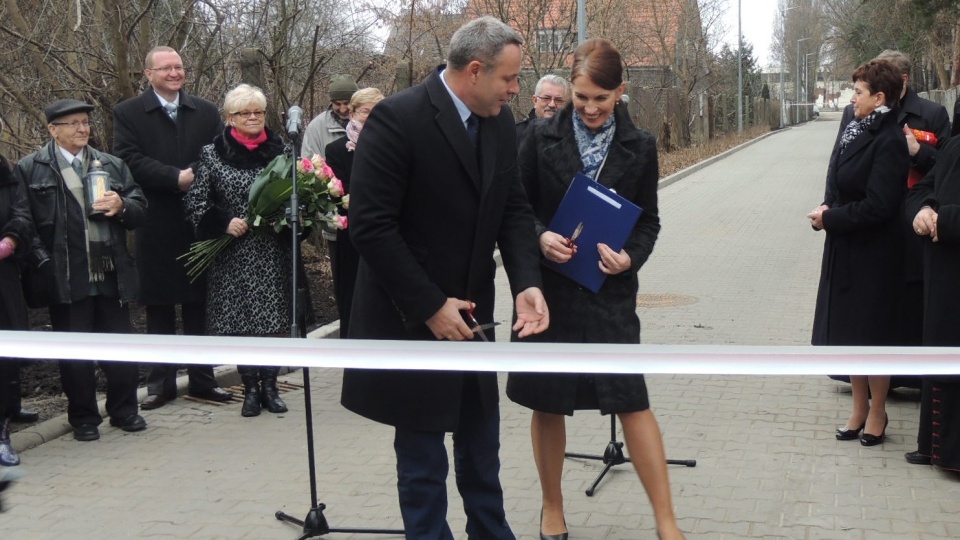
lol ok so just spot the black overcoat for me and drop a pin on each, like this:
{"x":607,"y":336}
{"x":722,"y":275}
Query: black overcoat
{"x":156,"y":149}
{"x":549,"y":158}
{"x":15,"y":221}
{"x":860,"y":298}
{"x":425,"y":221}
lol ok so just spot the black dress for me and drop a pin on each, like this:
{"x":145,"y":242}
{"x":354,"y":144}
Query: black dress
{"x":549,"y":158}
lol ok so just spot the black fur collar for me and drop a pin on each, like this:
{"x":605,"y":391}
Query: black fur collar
{"x":237,"y":155}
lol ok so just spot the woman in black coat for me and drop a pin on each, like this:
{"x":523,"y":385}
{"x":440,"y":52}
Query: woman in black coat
{"x":594,"y":136}
{"x":15,"y":235}
{"x":859,"y":301}
{"x":340,"y":158}
{"x":935,"y":203}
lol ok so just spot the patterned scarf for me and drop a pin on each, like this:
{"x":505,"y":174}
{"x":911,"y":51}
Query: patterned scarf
{"x":353,"y":133}
{"x":593,"y":146}
{"x":859,"y":125}
{"x":97,"y":233}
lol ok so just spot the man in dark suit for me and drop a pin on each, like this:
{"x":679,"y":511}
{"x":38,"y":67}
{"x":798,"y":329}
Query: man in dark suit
{"x":428,"y":206}
{"x":159,"y":135}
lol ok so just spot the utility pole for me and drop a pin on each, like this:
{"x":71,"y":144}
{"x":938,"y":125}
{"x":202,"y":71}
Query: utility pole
{"x":581,"y":21}
{"x":739,"y":68}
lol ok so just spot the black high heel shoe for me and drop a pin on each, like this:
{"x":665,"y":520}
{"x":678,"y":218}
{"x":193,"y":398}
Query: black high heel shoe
{"x":561,"y":536}
{"x":844,"y":434}
{"x":873,"y":440}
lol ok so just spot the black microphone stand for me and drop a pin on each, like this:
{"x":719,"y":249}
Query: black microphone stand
{"x":314,"y":524}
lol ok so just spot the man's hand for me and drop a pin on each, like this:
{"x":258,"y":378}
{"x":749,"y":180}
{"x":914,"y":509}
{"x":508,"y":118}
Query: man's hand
{"x":110,"y":204}
{"x":533,"y":317}
{"x":925,"y":223}
{"x":185,"y":180}
{"x":447,"y":324}
{"x":913,"y":145}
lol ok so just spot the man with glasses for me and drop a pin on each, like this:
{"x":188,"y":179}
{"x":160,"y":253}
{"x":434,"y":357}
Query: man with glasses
{"x":79,"y":264}
{"x":159,"y":134}
{"x":551,"y":93}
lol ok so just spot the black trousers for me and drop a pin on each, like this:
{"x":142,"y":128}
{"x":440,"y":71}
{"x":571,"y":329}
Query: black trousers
{"x":98,"y":314}
{"x":162,"y":378}
{"x":9,"y":386}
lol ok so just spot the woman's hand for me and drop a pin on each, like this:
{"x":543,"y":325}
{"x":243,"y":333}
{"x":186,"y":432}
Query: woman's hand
{"x":612,"y":262}
{"x":556,"y":248}
{"x":816,"y":217}
{"x":237,"y":228}
{"x":925,"y":223}
{"x":110,"y":204}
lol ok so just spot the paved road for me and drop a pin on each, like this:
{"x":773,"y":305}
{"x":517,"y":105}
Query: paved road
{"x":736,"y":263}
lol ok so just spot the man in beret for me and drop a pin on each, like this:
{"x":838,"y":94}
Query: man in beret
{"x":80,"y":268}
{"x":159,"y":135}
{"x":331,"y":124}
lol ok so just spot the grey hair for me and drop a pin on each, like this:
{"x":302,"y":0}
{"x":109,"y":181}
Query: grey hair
{"x":481,"y":39}
{"x":897,"y":58}
{"x":241,"y":95}
{"x":556,"y":80}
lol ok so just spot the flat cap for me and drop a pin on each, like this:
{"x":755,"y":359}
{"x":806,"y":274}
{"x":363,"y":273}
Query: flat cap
{"x":63,"y":107}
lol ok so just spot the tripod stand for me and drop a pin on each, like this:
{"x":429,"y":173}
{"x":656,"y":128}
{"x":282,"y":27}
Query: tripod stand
{"x":613,"y":455}
{"x":314,"y":524}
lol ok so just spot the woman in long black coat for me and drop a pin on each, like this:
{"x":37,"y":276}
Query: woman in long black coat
{"x":340,"y":158}
{"x":595,"y":136}
{"x":935,"y":203}
{"x":859,"y":301}
{"x":15,"y":235}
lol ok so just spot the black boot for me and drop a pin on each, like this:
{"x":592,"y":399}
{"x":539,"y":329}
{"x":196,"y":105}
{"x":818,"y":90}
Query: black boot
{"x":271,"y":397}
{"x":251,"y":390}
{"x":8,"y":457}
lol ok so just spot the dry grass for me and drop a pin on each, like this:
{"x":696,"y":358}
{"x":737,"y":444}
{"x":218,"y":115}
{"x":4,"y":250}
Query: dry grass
{"x":671,"y":162}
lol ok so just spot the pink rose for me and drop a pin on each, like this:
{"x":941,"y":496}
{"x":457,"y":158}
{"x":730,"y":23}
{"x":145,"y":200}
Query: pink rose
{"x":335,"y":187}
{"x":327,"y":171}
{"x":341,"y":222}
{"x":305,"y":165}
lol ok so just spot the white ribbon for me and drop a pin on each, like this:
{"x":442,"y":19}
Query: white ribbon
{"x":474,"y":356}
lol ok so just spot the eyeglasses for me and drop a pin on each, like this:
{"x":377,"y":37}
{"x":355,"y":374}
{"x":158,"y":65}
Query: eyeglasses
{"x":75,"y":125}
{"x":168,"y":69}
{"x":558,"y":101}
{"x":248,"y":114}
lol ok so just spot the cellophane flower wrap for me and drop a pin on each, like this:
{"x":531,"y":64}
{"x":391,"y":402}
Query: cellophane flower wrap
{"x":319,"y":191}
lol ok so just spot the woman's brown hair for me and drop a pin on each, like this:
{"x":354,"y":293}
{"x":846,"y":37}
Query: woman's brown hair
{"x":881,"y":76}
{"x":598,"y":60}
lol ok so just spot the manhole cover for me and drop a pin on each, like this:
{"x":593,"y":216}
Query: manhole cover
{"x":664,"y":300}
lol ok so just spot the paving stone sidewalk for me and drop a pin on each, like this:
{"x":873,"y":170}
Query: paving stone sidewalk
{"x":736,"y":263}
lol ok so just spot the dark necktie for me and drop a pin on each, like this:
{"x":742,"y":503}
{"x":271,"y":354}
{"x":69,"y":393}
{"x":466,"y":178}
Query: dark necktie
{"x":473,"y":128}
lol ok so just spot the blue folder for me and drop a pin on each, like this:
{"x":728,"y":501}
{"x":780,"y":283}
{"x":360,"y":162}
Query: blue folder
{"x":607,"y":218}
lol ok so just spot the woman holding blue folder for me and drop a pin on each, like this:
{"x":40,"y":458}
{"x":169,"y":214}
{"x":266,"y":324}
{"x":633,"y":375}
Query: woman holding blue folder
{"x":595,"y":137}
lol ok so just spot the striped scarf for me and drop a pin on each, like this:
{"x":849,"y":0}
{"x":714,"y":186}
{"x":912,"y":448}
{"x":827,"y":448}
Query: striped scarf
{"x":97,"y":233}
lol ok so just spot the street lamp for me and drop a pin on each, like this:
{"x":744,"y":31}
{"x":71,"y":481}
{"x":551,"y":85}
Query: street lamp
{"x":796,"y":82}
{"x":806,"y":76}
{"x":783,"y":59}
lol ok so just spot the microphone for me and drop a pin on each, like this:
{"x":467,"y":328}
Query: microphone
{"x":294,"y":116}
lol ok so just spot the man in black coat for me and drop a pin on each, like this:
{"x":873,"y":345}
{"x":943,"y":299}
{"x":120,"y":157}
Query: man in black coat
{"x":427,"y":207}
{"x":549,"y":95}
{"x":159,"y":135}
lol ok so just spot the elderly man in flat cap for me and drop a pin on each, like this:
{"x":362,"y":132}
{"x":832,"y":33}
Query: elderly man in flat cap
{"x":79,"y":265}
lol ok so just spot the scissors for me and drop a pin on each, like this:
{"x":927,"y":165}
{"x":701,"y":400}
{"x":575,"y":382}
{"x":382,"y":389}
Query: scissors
{"x":479,"y":328}
{"x":576,"y":233}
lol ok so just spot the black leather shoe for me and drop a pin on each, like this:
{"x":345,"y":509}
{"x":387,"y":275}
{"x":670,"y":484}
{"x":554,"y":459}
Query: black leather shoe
{"x":844,"y":434}
{"x":213,"y":394}
{"x":561,"y":536}
{"x":86,"y":432}
{"x":134,"y":422}
{"x":153,"y":401}
{"x":25,"y":416}
{"x":872,"y":440}
{"x":916,"y":458}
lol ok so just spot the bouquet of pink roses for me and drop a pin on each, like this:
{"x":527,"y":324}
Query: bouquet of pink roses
{"x":319,"y":191}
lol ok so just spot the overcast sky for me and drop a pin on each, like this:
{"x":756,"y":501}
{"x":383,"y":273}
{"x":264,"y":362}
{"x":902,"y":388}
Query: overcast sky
{"x":758,"y":20}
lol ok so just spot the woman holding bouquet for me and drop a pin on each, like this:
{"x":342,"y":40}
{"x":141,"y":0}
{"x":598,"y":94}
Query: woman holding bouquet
{"x":595,"y":136}
{"x":340,"y":158}
{"x":249,"y":283}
